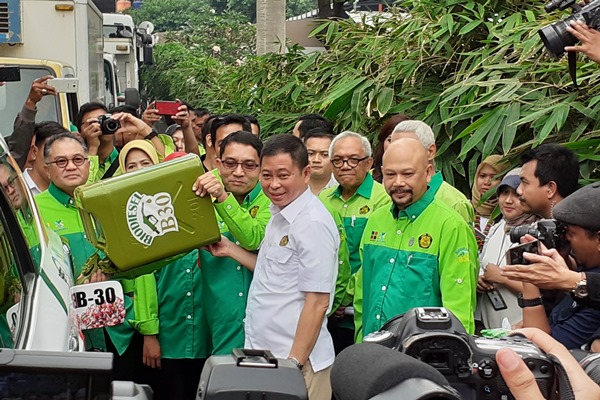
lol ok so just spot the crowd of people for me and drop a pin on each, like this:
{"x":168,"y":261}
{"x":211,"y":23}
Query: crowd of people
{"x":325,"y":237}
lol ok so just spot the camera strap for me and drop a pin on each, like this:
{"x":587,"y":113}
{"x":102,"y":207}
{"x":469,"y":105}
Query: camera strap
{"x":572,"y":57}
{"x":564,"y":387}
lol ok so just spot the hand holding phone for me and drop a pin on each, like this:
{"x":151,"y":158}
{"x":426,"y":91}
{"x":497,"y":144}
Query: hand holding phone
{"x":167,"y":107}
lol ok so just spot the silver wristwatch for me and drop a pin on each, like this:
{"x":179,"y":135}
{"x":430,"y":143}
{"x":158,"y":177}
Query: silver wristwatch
{"x":580,"y":291}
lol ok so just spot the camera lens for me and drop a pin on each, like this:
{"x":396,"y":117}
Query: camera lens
{"x":110,"y":126}
{"x":556,"y":37}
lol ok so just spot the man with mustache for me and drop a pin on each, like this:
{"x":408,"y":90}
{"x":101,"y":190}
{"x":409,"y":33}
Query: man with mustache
{"x":418,"y":253}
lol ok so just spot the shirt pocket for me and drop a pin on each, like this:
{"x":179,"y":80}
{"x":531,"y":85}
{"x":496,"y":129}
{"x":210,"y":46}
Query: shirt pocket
{"x":282,"y":272}
{"x":419,"y":276}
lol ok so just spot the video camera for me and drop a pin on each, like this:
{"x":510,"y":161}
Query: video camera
{"x":548,"y":231}
{"x":436,"y":337}
{"x":555,"y":36}
{"x":108,"y":124}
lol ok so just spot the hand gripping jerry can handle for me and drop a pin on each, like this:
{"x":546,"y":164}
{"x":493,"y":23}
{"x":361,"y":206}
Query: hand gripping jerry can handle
{"x":87,"y":219}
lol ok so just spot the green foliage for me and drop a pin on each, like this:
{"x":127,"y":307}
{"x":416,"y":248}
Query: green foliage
{"x":475,"y":70}
{"x":171,"y":15}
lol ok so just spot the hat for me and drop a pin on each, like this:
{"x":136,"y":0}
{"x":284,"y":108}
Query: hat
{"x":511,"y":179}
{"x":172,"y":129}
{"x":582,"y":208}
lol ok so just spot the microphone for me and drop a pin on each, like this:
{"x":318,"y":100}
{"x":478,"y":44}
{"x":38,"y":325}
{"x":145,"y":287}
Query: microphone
{"x":370,"y":371}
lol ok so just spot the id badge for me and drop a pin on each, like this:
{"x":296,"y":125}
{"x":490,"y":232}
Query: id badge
{"x":96,"y":305}
{"x":496,"y":299}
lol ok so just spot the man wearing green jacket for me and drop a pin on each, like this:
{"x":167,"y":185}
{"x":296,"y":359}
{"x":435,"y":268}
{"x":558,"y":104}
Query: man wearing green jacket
{"x":417,"y":253}
{"x":356,"y":197}
{"x":67,"y":164}
{"x":242,"y":211}
{"x":444,"y":192}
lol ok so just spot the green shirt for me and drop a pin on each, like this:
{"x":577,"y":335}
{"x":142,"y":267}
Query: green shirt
{"x":425,"y":255}
{"x":451,"y":196}
{"x":355,"y":211}
{"x":98,"y":170}
{"x":59,"y":213}
{"x":181,"y":311}
{"x":344,"y":272}
{"x":225,"y":281}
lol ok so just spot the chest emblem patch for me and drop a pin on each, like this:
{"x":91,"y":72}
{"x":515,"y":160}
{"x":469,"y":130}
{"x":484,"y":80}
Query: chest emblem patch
{"x":364,"y":210}
{"x":425,"y":241}
{"x":284,"y":241}
{"x":150,"y":216}
{"x":377,"y":236}
{"x":254,"y":211}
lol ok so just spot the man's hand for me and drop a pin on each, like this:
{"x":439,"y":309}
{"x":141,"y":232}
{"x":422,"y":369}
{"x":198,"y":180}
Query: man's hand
{"x":91,"y":133}
{"x":208,"y":183}
{"x":150,"y":115}
{"x":224,"y":248}
{"x":520,"y":379}
{"x":547,"y":271}
{"x":493,"y":273}
{"x":339,"y":313}
{"x":39,"y":89}
{"x":589,"y":38}
{"x":131,"y":124}
{"x":182,"y":118}
{"x":152,"y":354}
{"x":97,"y":276}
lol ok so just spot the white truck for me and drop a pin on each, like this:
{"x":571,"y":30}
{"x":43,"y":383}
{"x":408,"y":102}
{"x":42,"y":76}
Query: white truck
{"x":131,"y":47}
{"x":49,"y":37}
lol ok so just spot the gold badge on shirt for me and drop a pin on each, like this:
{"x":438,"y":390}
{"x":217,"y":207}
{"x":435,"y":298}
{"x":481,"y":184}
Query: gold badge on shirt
{"x":284,"y":241}
{"x":364,"y":210}
{"x":254,"y":211}
{"x":425,"y":241}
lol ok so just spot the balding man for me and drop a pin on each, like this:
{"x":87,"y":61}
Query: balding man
{"x":419,"y":253}
{"x":447,"y":193}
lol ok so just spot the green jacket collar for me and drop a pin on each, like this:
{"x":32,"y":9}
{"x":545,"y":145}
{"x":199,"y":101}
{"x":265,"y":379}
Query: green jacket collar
{"x":253,"y":194}
{"x":365,"y":189}
{"x":60,"y":196}
{"x":436,"y":181}
{"x":413,"y":211}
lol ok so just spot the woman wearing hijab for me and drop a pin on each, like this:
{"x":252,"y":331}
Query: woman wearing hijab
{"x":168,"y":307}
{"x":499,"y":298}
{"x":485,"y":179}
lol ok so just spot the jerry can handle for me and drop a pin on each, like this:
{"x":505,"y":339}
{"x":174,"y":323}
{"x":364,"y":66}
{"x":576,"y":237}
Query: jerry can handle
{"x":90,"y":230}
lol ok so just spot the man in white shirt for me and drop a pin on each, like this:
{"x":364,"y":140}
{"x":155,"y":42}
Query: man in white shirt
{"x":37,"y":177}
{"x":295,"y":269}
{"x":317,"y":142}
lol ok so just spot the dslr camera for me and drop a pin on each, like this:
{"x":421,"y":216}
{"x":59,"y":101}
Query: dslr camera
{"x":555,"y":36}
{"x":548,"y":231}
{"x":436,"y":337}
{"x":108,"y":124}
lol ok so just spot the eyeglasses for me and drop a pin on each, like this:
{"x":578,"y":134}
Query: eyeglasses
{"x":10,"y":183}
{"x":62,"y":162}
{"x":246,"y":165}
{"x":352,"y":162}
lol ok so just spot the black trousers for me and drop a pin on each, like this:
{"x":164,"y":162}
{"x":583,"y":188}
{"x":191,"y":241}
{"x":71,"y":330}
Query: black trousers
{"x":179,"y":379}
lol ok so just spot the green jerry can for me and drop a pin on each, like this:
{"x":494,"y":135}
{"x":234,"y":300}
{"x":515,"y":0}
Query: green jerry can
{"x":142,"y":217}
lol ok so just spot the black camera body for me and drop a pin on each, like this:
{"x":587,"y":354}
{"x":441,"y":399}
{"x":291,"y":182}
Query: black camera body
{"x":555,"y":36}
{"x":548,"y":231}
{"x":108,"y":124}
{"x":436,"y":337}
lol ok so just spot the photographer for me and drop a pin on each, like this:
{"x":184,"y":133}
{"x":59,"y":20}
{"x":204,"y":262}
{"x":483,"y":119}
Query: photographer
{"x":571,"y":323}
{"x":520,"y":379}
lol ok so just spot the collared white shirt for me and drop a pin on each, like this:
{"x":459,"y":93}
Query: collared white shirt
{"x":30,"y":183}
{"x":298,"y":254}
